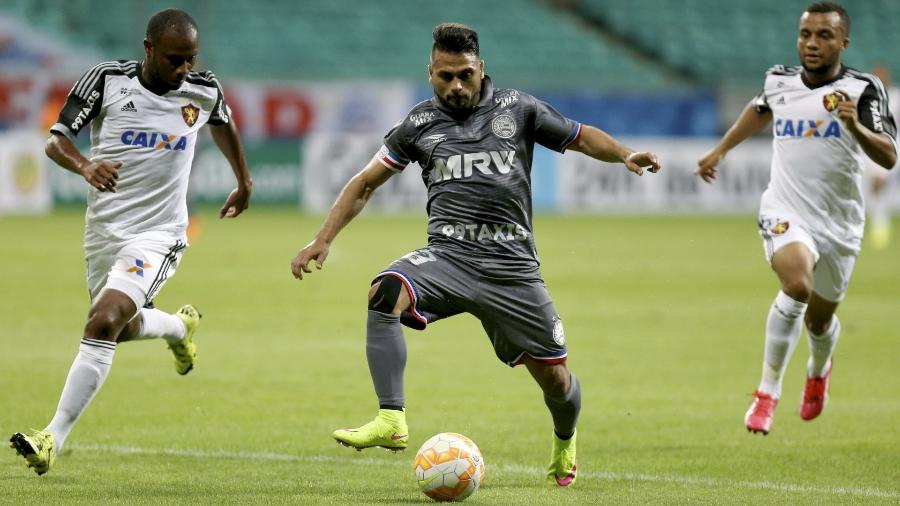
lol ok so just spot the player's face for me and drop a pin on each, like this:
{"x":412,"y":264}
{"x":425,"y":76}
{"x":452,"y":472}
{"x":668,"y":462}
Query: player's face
{"x":171,"y":58}
{"x":456,"y":78}
{"x":820,"y":41}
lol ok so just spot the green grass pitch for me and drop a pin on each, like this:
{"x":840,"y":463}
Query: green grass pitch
{"x":664,"y":319}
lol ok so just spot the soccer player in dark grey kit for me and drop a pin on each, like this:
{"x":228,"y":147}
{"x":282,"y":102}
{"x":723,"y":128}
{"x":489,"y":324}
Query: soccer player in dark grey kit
{"x":474,"y":144}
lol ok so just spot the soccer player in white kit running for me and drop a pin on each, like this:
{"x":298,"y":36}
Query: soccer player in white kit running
{"x":828,"y":119}
{"x":144,"y":122}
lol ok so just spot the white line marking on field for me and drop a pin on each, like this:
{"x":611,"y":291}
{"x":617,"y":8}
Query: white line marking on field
{"x":511,"y":469}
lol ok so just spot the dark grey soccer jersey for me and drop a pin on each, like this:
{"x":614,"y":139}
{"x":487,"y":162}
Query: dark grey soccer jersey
{"x":478,"y":172}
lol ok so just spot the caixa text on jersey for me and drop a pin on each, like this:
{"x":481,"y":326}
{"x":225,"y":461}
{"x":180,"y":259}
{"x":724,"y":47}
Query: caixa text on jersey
{"x":154,"y":140}
{"x":806,"y":128}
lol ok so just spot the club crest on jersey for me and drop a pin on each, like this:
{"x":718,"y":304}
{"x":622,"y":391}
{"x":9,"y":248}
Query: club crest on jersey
{"x":830,"y":101}
{"x":189,"y":114}
{"x":781,"y":227}
{"x":139,"y":266}
{"x":806,"y":128}
{"x":504,"y":126}
{"x":154,"y":140}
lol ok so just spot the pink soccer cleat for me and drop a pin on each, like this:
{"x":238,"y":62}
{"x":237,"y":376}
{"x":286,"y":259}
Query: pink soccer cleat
{"x":815,"y":395}
{"x":759,"y":416}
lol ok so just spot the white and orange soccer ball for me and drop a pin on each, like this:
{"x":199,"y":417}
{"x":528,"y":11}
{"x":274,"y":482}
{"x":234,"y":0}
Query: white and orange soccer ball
{"x":449,"y":467}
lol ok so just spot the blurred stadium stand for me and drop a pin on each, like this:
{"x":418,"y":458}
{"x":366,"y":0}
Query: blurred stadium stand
{"x":605,"y":44}
{"x":314,"y":84}
{"x":715,"y":42}
{"x":525,"y":42}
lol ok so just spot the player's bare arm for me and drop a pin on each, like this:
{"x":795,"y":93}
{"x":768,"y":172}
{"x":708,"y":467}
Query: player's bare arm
{"x":101,"y":175}
{"x":749,"y":123}
{"x":350,"y":202}
{"x":599,"y":145}
{"x":229,"y":142}
{"x":877,"y":146}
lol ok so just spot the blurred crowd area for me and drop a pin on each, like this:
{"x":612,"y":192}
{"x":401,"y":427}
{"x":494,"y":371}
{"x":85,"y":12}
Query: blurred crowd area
{"x":314,"y":81}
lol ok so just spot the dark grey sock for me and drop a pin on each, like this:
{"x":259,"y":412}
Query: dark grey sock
{"x":565,"y":409}
{"x":386,"y":353}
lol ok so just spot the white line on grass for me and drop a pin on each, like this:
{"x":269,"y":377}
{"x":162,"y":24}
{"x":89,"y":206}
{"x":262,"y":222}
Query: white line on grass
{"x":512,"y":469}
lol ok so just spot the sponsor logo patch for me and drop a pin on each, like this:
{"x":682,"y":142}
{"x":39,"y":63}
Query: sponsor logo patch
{"x":464,"y":165}
{"x":421,"y":118}
{"x":139,"y":266}
{"x":154,"y":140}
{"x":486,"y":232}
{"x":807,"y":128}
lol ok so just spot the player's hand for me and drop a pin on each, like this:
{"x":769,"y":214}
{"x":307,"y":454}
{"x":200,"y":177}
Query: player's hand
{"x":706,"y":167}
{"x":639,"y":160}
{"x":236,"y":203}
{"x":102,"y":175}
{"x":316,"y":250}
{"x":846,"y":110}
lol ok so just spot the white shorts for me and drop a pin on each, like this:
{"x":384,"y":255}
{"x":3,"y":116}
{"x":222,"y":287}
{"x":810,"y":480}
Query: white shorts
{"x":138,"y":267}
{"x":834,"y":264}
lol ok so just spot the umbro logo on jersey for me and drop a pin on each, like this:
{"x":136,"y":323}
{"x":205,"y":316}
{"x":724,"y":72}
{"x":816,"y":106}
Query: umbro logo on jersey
{"x":129,"y":107}
{"x":806,"y":128}
{"x":431,"y":140}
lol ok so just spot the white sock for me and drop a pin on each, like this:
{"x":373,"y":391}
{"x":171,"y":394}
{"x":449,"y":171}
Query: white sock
{"x":90,"y":368}
{"x":158,"y":324}
{"x":821,"y":347}
{"x":782,"y":334}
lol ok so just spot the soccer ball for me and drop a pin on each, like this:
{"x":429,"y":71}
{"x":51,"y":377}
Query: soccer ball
{"x":449,"y":467}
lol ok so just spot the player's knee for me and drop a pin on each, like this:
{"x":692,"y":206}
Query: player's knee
{"x":798,"y":288}
{"x":817,"y":326}
{"x":385,"y":294}
{"x":556,"y":380}
{"x":104,"y":324}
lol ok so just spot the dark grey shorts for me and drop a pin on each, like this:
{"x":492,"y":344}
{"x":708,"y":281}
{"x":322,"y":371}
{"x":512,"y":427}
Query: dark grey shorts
{"x":517,"y":314}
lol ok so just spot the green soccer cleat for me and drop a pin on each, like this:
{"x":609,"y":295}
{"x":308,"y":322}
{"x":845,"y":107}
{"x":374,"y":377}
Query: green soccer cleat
{"x":562,"y":468}
{"x":388,"y":430}
{"x":39,"y":449}
{"x":185,"y":351}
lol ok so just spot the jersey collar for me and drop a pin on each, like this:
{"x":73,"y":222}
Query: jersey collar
{"x":147,"y":86}
{"x":826,"y":83}
{"x":487,"y":94}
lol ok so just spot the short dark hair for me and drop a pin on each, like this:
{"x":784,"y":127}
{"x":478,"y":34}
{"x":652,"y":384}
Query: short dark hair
{"x":824,"y":7}
{"x":169,"y":19}
{"x":455,"y":38}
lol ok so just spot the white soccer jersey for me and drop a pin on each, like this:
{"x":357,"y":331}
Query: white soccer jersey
{"x":152,"y":135}
{"x":817,"y":165}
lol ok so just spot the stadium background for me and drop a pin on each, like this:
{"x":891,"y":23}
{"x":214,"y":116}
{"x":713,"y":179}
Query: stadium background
{"x":663,"y":314}
{"x":315,"y":85}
